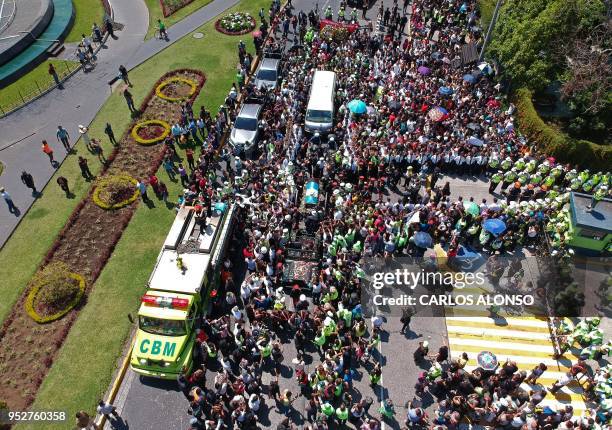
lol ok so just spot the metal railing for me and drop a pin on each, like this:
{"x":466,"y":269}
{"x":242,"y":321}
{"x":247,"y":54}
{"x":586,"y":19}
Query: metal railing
{"x":33,"y":89}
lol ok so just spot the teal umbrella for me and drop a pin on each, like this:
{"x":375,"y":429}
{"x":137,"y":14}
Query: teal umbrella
{"x":357,"y":106}
{"x":471,"y":208}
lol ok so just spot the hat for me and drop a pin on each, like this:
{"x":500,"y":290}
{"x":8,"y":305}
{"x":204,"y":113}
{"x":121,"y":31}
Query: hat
{"x":1,"y":189}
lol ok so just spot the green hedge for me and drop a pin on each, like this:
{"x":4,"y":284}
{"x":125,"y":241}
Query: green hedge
{"x":553,"y":142}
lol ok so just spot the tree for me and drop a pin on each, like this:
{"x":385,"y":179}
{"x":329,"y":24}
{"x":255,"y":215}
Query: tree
{"x":531,"y":35}
{"x":588,"y":80}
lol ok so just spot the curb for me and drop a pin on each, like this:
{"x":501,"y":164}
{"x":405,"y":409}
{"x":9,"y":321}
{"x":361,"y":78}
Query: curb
{"x":101,"y":421}
{"x":65,"y":78}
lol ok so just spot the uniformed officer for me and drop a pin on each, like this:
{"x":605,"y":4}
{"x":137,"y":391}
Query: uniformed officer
{"x":495,"y":180}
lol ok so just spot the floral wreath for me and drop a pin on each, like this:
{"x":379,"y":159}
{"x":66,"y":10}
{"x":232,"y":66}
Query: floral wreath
{"x":220,"y":24}
{"x":29,"y":303}
{"x":102,"y":183}
{"x":154,"y":140}
{"x":160,"y":88}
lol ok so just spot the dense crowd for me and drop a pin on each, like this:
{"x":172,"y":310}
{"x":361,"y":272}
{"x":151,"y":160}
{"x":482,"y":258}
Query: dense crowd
{"x":381,"y":187}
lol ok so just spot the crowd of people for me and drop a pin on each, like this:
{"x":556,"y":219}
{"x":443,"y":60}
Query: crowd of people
{"x":381,"y":186}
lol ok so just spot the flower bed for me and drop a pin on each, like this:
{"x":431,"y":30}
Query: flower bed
{"x":150,"y":132}
{"x":168,"y":7}
{"x":54,"y":292}
{"x":236,"y":24}
{"x":84,"y":245}
{"x":115,"y":191}
{"x":176,"y":89}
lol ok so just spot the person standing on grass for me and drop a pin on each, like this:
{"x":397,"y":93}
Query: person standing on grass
{"x":47,"y":150}
{"x":163,"y":191}
{"x":9,"y":200}
{"x":63,"y":184}
{"x":142,"y":188}
{"x":108,"y":130}
{"x":63,"y":136}
{"x":123,"y":74}
{"x":129,"y":99}
{"x":55,"y":77}
{"x":85,"y":168}
{"x":169,"y":167}
{"x":97,"y":149}
{"x":28,"y":180}
{"x":190,"y":158}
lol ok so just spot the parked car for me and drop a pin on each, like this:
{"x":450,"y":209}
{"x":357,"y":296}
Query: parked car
{"x":246,"y":128}
{"x":268,"y":72}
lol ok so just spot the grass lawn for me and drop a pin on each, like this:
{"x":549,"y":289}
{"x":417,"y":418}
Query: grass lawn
{"x":31,"y":84}
{"x":86,"y":12}
{"x":84,"y":366}
{"x":155,"y":13}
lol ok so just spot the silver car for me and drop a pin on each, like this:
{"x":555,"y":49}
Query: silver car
{"x":268,"y":72}
{"x":245,"y":131}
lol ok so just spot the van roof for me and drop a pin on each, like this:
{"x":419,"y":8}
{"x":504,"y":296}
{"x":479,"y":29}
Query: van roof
{"x":321,"y":91}
{"x":323,"y":79}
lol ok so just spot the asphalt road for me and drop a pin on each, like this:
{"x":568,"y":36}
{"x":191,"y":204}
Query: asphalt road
{"x":145,"y":403}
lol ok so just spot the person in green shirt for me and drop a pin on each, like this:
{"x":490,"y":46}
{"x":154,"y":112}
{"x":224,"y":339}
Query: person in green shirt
{"x":163,"y":34}
{"x":495,"y":180}
{"x":342,"y":414}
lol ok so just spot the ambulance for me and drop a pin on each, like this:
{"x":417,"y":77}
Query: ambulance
{"x":186,"y":270}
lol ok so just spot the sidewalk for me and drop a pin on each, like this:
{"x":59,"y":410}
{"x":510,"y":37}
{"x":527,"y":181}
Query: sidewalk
{"x":83,"y":95}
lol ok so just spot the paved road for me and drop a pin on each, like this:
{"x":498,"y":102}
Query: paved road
{"x":146,"y":403}
{"x":83,"y":96}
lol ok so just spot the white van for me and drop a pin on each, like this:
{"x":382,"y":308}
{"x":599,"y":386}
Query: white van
{"x":320,"y":110}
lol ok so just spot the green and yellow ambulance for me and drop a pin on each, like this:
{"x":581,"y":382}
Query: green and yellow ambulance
{"x":186,"y":269}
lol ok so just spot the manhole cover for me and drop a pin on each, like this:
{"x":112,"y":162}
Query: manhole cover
{"x":198,"y":35}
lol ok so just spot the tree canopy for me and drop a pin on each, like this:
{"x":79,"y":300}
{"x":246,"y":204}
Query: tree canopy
{"x":533,"y":37}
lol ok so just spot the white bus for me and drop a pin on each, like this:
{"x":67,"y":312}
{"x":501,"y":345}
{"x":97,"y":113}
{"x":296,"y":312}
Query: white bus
{"x":321,"y":108}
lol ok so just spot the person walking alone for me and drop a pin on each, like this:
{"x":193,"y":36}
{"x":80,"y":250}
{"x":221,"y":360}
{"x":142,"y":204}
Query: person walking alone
{"x":107,"y":409}
{"x":47,"y":150}
{"x":55,"y":77}
{"x":63,"y":136}
{"x":63,"y":184}
{"x":129,"y":99}
{"x":123,"y":74}
{"x":9,"y":201}
{"x":108,"y":130}
{"x":28,"y":180}
{"x":85,"y":168}
{"x":142,"y":188}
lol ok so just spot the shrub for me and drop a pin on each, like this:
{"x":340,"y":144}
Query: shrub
{"x":54,"y":291}
{"x":556,"y":143}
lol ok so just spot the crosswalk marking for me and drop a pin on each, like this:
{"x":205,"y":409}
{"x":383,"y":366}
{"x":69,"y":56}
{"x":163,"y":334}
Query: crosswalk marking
{"x":525,"y":341}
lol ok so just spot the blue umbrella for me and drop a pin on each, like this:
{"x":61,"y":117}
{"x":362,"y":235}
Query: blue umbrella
{"x":445,"y":91}
{"x":423,"y":240}
{"x":469,"y":78}
{"x":357,"y":106}
{"x":494,"y":226}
